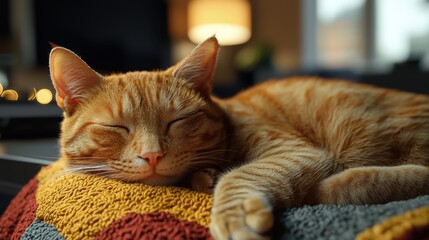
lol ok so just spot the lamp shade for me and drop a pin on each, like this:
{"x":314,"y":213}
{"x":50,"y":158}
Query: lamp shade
{"x":229,"y":20}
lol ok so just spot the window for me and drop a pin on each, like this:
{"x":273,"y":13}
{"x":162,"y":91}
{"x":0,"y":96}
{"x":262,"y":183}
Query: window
{"x":340,"y":32}
{"x":357,"y":34}
{"x":402,"y":29}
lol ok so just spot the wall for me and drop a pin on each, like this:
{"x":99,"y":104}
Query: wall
{"x":277,"y":22}
{"x":274,"y":22}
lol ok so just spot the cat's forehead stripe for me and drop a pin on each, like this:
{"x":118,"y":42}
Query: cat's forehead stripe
{"x":150,"y":94}
{"x":131,"y":97}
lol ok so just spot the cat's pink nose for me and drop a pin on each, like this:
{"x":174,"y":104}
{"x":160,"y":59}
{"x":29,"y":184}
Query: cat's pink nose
{"x":153,"y":158}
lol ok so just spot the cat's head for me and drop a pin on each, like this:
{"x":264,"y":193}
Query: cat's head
{"x":150,"y":127}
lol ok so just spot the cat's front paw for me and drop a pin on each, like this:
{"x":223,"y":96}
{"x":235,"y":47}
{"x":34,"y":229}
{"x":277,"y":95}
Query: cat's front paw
{"x":249,"y":219}
{"x":204,"y":180}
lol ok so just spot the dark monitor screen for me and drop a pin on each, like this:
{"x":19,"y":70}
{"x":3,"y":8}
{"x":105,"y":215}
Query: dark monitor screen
{"x":4,"y":19}
{"x":109,"y":35}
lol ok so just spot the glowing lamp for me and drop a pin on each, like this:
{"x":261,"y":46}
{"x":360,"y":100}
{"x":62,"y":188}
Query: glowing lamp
{"x":228,"y":20}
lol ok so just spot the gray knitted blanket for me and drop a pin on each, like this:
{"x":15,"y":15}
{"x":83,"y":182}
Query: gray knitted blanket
{"x":344,"y":222}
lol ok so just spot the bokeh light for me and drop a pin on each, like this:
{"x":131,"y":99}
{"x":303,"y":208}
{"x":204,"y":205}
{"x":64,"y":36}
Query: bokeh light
{"x":3,"y":80}
{"x":10,"y":94}
{"x":32,"y":94}
{"x":1,"y":88}
{"x":44,"y":96}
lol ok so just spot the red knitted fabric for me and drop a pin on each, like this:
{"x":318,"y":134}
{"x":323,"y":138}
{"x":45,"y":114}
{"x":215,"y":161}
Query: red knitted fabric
{"x":416,"y":233}
{"x":20,"y":213}
{"x":157,"y":225}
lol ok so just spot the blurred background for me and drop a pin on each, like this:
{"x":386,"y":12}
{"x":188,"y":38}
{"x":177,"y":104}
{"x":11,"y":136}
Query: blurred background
{"x":381,"y":42}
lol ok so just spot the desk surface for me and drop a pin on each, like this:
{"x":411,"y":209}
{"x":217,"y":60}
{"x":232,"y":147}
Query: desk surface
{"x":20,"y":160}
{"x":39,"y":151}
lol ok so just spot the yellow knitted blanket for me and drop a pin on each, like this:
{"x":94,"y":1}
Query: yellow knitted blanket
{"x":80,"y":206}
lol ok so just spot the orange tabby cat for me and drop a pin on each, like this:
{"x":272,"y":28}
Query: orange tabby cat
{"x":292,"y":142}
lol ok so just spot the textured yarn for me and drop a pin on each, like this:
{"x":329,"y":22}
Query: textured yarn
{"x":412,"y":224}
{"x":20,"y":212}
{"x":153,"y":226}
{"x":87,"y":204}
{"x":40,"y":230}
{"x":342,"y":222}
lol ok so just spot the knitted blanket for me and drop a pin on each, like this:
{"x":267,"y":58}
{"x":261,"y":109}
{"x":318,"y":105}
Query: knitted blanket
{"x":77,"y":206}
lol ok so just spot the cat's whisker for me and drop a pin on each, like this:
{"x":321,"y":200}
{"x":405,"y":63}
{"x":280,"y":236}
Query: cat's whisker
{"x":221,"y":140}
{"x":83,"y":169}
{"x":213,"y":152}
{"x":224,"y":138}
{"x":97,"y":170}
{"x":94,"y":170}
{"x":216,"y":150}
{"x":87,"y":166}
{"x":45,"y":157}
{"x":205,"y":158}
{"x":87,"y":169}
{"x":211,"y":161}
{"x":86,"y":158}
{"x":103,"y":174}
{"x":202,"y":157}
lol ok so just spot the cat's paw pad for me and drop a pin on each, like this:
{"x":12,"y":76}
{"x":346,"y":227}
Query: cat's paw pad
{"x":252,"y":219}
{"x":204,"y":180}
{"x":258,"y":215}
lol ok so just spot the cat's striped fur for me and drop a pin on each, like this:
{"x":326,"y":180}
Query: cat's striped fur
{"x":283,"y":143}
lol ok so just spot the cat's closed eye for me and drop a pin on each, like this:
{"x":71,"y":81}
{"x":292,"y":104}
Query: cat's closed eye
{"x":175,"y":123}
{"x":188,"y":124}
{"x":116,"y":127}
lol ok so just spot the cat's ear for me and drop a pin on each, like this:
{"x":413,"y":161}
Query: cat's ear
{"x":199,"y":66}
{"x":72,"y":78}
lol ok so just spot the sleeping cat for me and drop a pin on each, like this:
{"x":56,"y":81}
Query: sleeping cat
{"x":282,"y":143}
